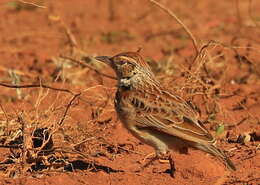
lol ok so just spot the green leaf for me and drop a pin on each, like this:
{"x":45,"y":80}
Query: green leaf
{"x":220,"y":129}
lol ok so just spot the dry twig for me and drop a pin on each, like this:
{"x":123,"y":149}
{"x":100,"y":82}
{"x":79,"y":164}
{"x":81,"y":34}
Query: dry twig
{"x":67,"y":108}
{"x":33,"y":4}
{"x":88,"y":66}
{"x":36,"y":86}
{"x":168,"y":11}
{"x":25,"y":141}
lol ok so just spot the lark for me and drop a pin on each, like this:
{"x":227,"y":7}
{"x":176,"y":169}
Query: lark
{"x":155,"y":116}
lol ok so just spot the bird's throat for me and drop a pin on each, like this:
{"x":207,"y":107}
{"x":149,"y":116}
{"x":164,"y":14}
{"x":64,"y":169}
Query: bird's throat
{"x":124,"y":84}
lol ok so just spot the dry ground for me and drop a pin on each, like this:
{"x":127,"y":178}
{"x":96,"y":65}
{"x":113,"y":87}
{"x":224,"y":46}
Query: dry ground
{"x":51,"y":134}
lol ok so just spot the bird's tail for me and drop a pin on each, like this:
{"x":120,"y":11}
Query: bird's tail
{"x":219,"y":154}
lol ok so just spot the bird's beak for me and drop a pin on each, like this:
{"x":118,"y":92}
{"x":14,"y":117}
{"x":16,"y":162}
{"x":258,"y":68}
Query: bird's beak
{"x":104,"y":59}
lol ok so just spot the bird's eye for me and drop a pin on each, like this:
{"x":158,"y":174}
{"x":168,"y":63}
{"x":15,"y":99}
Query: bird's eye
{"x":123,"y":62}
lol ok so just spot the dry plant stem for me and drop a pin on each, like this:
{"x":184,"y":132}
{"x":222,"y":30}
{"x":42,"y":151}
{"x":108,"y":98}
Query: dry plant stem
{"x":88,"y":66}
{"x":231,"y":47}
{"x":168,"y":11}
{"x":71,"y":37}
{"x":36,"y":86}
{"x":61,"y":120}
{"x":72,"y":40}
{"x":58,"y":149}
{"x":11,"y":146}
{"x":85,"y":140}
{"x":33,"y":4}
{"x":238,"y":123}
{"x":24,"y":147}
{"x":70,"y":151}
{"x":111,"y":144}
{"x":6,"y":117}
{"x":67,"y":108}
{"x":39,"y":99}
{"x":20,"y":73}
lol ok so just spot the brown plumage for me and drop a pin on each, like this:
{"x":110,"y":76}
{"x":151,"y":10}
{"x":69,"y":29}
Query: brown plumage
{"x":154,"y":115}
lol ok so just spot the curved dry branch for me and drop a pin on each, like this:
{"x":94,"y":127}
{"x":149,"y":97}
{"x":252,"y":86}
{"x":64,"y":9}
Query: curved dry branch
{"x":87,"y":66}
{"x":36,"y":86}
{"x":168,"y":11}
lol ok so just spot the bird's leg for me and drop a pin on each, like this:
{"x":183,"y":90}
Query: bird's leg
{"x":172,"y":165}
{"x":168,"y":157}
{"x":163,"y":158}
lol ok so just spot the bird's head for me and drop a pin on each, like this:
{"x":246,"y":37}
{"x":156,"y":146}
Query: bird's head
{"x":130,"y":68}
{"x":126,"y":65}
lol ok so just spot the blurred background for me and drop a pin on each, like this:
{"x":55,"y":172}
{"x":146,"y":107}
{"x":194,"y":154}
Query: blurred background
{"x":44,"y":42}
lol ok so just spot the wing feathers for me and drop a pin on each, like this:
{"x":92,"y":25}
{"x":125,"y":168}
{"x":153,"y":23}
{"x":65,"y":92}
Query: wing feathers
{"x":176,"y":119}
{"x":200,"y":136}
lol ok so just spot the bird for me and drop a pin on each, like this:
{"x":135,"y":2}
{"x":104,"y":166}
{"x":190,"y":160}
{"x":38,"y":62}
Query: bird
{"x":154,"y":115}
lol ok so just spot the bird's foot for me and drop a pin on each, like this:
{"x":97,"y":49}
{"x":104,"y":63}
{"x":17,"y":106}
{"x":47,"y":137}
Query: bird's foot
{"x":162,"y":158}
{"x":152,"y":156}
{"x":167,"y":157}
{"x":172,"y":166}
{"x":148,"y":156}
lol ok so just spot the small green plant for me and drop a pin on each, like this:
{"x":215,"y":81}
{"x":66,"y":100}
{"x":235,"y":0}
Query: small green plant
{"x":220,"y":129}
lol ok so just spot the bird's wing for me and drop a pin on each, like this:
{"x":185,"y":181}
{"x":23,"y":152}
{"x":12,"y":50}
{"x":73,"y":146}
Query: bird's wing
{"x":188,"y":129}
{"x":177,"y":119}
